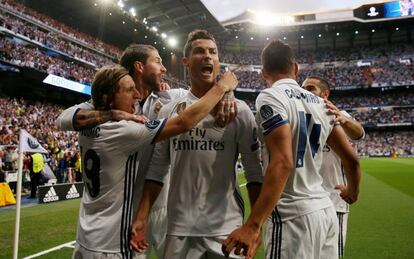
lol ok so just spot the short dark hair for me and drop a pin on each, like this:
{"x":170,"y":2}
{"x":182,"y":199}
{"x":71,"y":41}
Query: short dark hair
{"x":105,"y":85}
{"x":196,"y":35}
{"x":278,"y":57}
{"x":135,"y":52}
{"x":324,"y":83}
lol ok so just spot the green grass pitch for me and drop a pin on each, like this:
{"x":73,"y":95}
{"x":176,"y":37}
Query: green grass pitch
{"x":381,"y":223}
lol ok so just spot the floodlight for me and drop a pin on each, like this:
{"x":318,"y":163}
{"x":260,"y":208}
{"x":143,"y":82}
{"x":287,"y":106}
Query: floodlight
{"x":270,"y":19}
{"x":172,"y":42}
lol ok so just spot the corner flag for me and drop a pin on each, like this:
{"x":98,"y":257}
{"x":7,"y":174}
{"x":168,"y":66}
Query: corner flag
{"x":27,"y":143}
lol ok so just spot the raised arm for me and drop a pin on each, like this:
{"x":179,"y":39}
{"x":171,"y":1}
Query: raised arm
{"x":338,"y":141}
{"x":83,"y":116}
{"x":200,"y":109}
{"x":352,"y":128}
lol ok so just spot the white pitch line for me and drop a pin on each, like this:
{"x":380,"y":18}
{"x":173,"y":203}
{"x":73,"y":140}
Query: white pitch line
{"x":68,"y":244}
{"x":242,"y":185}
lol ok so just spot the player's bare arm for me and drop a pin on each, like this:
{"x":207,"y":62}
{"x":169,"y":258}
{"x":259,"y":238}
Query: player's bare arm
{"x":150,"y":193}
{"x":352,"y":128}
{"x":226,"y":109}
{"x":279,"y":144}
{"x":85,"y":119}
{"x":200,"y":109}
{"x":338,"y":141}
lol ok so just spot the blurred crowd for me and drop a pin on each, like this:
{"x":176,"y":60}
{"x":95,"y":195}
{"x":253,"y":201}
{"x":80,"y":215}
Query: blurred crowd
{"x":39,"y":120}
{"x":33,"y":57}
{"x":386,"y":67}
{"x":44,"y":20}
{"x":368,"y":101}
{"x":52,"y":52}
{"x":379,"y":74}
{"x":400,"y":99}
{"x":395,"y":143}
{"x":378,"y":53}
{"x":373,"y":117}
{"x":51,"y":40}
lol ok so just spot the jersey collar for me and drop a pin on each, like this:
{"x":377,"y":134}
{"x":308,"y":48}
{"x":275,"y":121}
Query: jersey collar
{"x":285,"y":81}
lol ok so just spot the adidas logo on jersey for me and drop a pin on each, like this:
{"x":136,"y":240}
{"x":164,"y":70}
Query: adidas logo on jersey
{"x":51,"y":195}
{"x":72,"y":193}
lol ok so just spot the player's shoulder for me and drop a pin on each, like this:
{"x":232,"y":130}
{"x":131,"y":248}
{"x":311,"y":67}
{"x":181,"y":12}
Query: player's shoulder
{"x":120,"y":126}
{"x":241,"y":105}
{"x":242,"y":108}
{"x":172,"y":94}
{"x":88,"y":105}
{"x":173,"y":106}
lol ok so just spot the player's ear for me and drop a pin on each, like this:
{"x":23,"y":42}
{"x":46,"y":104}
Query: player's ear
{"x":296,"y":69}
{"x":185,"y":61}
{"x":138,"y":67}
{"x":264,"y":74}
{"x":325,"y":94}
{"x":107,"y":102}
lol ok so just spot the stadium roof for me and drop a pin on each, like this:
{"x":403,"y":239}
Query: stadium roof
{"x":225,"y":10}
{"x":156,"y":21}
{"x":105,"y":19}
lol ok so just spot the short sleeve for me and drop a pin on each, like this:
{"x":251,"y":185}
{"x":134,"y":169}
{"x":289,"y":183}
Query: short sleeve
{"x":248,"y":144}
{"x":65,"y":121}
{"x":136,"y":135}
{"x":271,"y":112}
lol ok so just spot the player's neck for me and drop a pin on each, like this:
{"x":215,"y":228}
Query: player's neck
{"x":276,"y":77}
{"x":200,"y":89}
{"x":142,"y":88}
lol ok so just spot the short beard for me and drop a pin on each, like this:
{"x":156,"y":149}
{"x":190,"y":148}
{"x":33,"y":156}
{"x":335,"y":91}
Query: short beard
{"x":151,"y":82}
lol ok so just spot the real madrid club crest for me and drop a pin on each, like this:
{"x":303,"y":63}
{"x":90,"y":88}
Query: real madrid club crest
{"x":157,"y":107}
{"x":266,"y":112}
{"x":181,"y":107}
{"x":32,"y":143}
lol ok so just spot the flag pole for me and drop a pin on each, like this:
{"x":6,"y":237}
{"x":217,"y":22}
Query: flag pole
{"x":18,"y":202}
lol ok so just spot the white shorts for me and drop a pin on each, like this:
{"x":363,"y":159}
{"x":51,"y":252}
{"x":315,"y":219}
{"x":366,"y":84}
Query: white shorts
{"x":180,"y":247}
{"x":343,"y":224}
{"x":82,"y":253}
{"x":314,"y":235}
{"x":157,"y":228}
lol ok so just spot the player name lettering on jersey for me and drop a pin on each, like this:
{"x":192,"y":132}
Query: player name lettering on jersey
{"x":309,"y":97}
{"x":91,"y":133}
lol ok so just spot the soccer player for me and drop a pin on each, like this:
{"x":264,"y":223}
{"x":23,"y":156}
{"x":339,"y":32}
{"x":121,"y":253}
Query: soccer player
{"x":111,"y":153}
{"x":204,"y":202}
{"x":295,"y":127}
{"x":145,"y":66}
{"x":331,"y":169}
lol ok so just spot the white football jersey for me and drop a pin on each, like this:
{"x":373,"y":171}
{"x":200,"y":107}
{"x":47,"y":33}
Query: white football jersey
{"x":110,"y":155}
{"x":65,"y":120}
{"x":287,"y":103}
{"x":154,"y":102}
{"x":204,"y":197}
{"x":333,"y":174}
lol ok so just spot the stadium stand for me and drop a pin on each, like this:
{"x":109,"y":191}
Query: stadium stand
{"x":30,"y":39}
